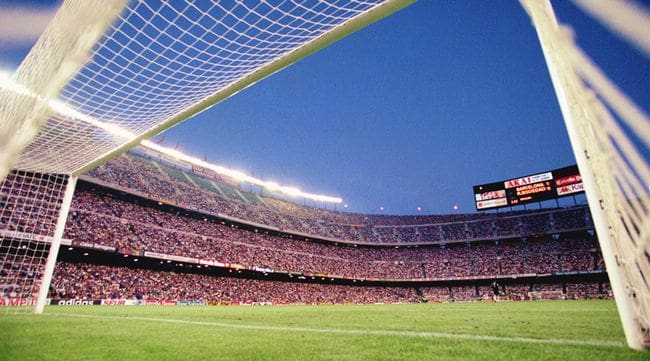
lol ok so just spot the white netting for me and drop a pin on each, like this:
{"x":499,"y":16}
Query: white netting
{"x":610,"y":136}
{"x":97,"y":88}
{"x":54,"y":59}
{"x":30,"y":204}
{"x":162,"y":61}
{"x":546,"y":295}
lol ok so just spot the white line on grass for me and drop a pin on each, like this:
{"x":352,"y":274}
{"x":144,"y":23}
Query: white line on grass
{"x":453,"y":336}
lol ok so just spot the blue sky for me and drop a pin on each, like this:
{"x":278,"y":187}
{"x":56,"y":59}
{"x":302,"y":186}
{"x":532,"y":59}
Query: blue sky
{"x":408,"y":112}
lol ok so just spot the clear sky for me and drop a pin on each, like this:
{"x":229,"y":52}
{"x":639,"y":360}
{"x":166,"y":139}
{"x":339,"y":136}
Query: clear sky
{"x":408,"y":112}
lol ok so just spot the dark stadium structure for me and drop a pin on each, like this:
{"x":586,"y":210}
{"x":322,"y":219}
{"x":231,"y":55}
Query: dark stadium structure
{"x":146,"y":230}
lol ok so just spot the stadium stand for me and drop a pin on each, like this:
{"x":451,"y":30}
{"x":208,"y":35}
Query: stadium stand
{"x":130,"y":171}
{"x":104,"y":282}
{"x":99,"y":217}
{"x":139,"y":206}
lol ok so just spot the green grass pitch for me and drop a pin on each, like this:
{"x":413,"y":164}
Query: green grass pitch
{"x":551,"y":330}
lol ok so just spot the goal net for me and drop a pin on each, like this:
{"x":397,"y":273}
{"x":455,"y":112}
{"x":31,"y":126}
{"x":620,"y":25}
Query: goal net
{"x":31,"y":217}
{"x":106,"y":74}
{"x":546,"y":295}
{"x":610,"y":137}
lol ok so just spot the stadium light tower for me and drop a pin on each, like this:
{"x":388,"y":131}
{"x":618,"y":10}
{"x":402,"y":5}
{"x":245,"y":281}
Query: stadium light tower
{"x":615,"y":172}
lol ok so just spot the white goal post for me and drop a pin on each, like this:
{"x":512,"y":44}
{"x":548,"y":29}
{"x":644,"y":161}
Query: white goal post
{"x":615,"y":173}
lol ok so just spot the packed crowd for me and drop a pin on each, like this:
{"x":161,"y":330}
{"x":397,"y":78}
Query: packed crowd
{"x":455,"y":246}
{"x":85,"y":281}
{"x":17,"y":274}
{"x":30,"y":202}
{"x":162,"y":181}
{"x":99,"y":218}
{"x":588,"y":290}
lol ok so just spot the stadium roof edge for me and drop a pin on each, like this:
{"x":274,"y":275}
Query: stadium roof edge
{"x":178,"y":156}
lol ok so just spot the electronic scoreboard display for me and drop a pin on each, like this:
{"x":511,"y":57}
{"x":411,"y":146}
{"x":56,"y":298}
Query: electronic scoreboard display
{"x":568,"y":181}
{"x":531,"y":188}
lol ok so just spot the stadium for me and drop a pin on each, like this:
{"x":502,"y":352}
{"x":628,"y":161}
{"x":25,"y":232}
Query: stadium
{"x":114,"y":246}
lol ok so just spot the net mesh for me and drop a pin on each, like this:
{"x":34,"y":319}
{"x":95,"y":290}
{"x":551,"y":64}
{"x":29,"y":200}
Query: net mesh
{"x":26,"y":97}
{"x":107,"y":73}
{"x":29,"y":208}
{"x":161,"y":58}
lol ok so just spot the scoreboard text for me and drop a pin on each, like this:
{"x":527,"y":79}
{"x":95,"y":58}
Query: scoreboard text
{"x":532,"y":188}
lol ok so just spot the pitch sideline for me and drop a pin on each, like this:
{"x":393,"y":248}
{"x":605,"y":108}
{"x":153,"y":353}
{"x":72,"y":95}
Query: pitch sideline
{"x":453,"y":336}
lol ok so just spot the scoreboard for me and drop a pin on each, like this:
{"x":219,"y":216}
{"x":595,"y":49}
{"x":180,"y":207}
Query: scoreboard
{"x":568,"y":181}
{"x":531,"y":188}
